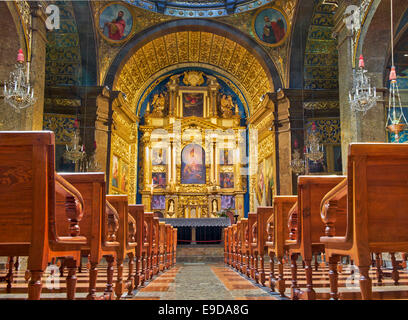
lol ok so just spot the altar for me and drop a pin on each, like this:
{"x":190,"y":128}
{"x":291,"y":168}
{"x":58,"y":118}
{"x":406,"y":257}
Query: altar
{"x":193,"y":149}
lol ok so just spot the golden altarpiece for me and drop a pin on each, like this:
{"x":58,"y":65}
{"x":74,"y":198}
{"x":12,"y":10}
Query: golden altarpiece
{"x":191,"y":147}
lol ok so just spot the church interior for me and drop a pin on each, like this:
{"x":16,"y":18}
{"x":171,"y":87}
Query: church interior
{"x":255,"y":149}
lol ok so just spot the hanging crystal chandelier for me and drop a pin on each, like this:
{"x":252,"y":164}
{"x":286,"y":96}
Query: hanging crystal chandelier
{"x":362,"y":96}
{"x":17,"y":90}
{"x":314,"y":150}
{"x":76,"y":152}
{"x":297,"y":164}
{"x":396,"y":121}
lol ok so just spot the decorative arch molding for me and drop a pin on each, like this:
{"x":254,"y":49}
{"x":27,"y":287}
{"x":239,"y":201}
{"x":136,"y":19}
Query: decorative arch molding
{"x":239,"y":90}
{"x":374,"y":42}
{"x":205,"y":25}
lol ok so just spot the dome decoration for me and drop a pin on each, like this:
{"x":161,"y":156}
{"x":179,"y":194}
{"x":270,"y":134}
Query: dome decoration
{"x":198,"y":8}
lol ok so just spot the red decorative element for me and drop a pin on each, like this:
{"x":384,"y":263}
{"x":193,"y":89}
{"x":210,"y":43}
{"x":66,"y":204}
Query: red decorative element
{"x":20,"y":56}
{"x":295,"y":143}
{"x":304,"y":149}
{"x":95,"y":145}
{"x":361,"y":62}
{"x":76,"y":124}
{"x":393,"y":74}
{"x":313,"y":126}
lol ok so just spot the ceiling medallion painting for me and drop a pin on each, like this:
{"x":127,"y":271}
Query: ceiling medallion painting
{"x":270,"y":26}
{"x":115,"y":22}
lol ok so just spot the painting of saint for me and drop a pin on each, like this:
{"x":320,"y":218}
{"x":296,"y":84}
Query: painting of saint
{"x":158,"y":156}
{"x":124,"y":177}
{"x":115,"y":171}
{"x":193,"y":165}
{"x":158,"y":202}
{"x":116,"y":22}
{"x":270,"y":26}
{"x":227,"y":202}
{"x":226,"y":180}
{"x":193,"y":104}
{"x":226,"y":157}
{"x":159,"y":179}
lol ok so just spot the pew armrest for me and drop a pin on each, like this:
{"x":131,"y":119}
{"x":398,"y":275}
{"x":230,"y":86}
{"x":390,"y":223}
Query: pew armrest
{"x":329,"y":207}
{"x":73,"y":203}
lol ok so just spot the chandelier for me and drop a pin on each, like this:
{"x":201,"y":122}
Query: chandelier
{"x":297,"y":164}
{"x":17,"y":90}
{"x":396,"y":121}
{"x":314,"y":150}
{"x":76,"y":152}
{"x":362,"y":96}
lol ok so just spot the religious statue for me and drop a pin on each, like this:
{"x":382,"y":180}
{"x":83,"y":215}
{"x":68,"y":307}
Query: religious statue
{"x":226,"y":106}
{"x":214,"y":207}
{"x":158,"y":105}
{"x":116,"y":27}
{"x":170,"y":210}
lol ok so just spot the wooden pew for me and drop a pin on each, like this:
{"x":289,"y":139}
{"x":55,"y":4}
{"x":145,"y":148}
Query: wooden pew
{"x":174,"y":246}
{"x":155,"y":245}
{"x":308,"y":228}
{"x":162,"y":245}
{"x":252,"y":262}
{"x":234,"y":245}
{"x":244,"y":245}
{"x":127,"y":242}
{"x":278,"y":233}
{"x":28,"y":216}
{"x":149,"y":250}
{"x":376,"y":211}
{"x":225,"y":246}
{"x":137,"y":212}
{"x":259,"y":239}
{"x":239,"y":246}
{"x":99,"y":225}
{"x":229,"y":232}
{"x":168,"y":246}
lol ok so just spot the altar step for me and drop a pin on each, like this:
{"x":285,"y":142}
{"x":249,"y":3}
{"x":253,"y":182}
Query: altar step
{"x":211,"y":253}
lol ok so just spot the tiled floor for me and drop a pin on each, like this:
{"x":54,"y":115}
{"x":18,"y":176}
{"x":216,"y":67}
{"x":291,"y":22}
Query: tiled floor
{"x":202,"y":281}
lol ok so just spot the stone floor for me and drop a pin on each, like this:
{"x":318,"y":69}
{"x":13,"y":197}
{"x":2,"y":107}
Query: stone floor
{"x":200,"y":281}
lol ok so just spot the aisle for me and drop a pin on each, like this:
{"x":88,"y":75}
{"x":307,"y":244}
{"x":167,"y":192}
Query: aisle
{"x":201,"y":282}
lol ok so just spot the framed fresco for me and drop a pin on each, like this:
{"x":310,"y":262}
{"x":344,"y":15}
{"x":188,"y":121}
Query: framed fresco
{"x":226,"y":180}
{"x":193,"y":104}
{"x":115,"y":172}
{"x":158,"y":202}
{"x":159,"y":179}
{"x":193,"y":164}
{"x":270,"y":26}
{"x":115,"y":22}
{"x":227,"y":202}
{"x":158,"y":156}
{"x":226,"y":156}
{"x":124,"y":180}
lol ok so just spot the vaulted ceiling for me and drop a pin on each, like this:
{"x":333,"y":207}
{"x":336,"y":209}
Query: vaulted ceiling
{"x":205,"y":49}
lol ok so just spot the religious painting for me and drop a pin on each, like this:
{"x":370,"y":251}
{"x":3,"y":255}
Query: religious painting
{"x":193,"y":104}
{"x":115,"y":171}
{"x":269,"y":183}
{"x":159,"y":179}
{"x":158,"y":202}
{"x":193,"y":165}
{"x":115,"y":22}
{"x":226,"y":157}
{"x":227,"y":202}
{"x":226,"y":180}
{"x":158,"y":156}
{"x":260,"y":184}
{"x":270,"y":26}
{"x":124,"y":176}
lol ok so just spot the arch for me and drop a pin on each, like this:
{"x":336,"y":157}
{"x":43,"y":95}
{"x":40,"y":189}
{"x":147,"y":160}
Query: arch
{"x":211,"y":26}
{"x":302,"y":18}
{"x":193,"y":164}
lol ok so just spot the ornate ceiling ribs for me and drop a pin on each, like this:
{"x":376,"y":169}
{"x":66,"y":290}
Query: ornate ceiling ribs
{"x":193,"y":47}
